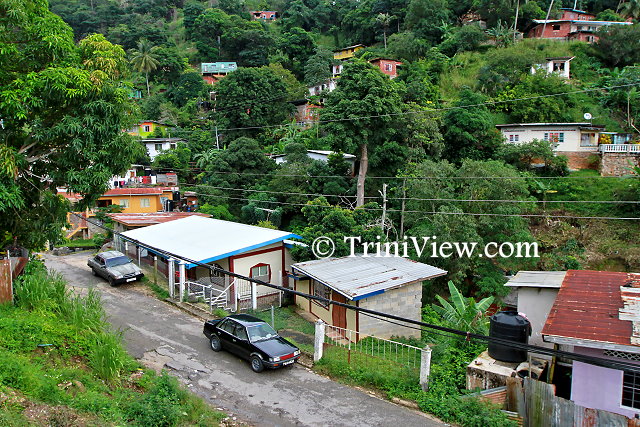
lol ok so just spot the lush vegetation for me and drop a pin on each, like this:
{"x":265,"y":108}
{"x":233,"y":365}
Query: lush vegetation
{"x":60,"y":360}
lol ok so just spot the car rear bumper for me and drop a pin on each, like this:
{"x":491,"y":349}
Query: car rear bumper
{"x":280,"y":364}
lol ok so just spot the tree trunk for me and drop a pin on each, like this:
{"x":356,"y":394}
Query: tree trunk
{"x":384,"y":33}
{"x":147,"y":74}
{"x":362,"y":174}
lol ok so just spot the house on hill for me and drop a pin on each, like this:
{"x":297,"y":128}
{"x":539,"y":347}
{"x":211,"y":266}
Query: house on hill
{"x":140,"y":199}
{"x":388,"y":284}
{"x":212,"y":72}
{"x":145,"y":128}
{"x":558,"y":66}
{"x":265,"y":15}
{"x":572,"y":25}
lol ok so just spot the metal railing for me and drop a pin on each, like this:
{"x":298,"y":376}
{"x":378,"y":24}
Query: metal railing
{"x":356,"y":345}
{"x":620,"y":148}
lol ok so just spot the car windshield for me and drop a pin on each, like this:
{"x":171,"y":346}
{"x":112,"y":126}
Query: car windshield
{"x":121,"y":260}
{"x":261,"y":332}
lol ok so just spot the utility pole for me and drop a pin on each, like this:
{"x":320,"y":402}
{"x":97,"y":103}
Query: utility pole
{"x":544,"y":27}
{"x":515,"y":22}
{"x":404,"y":196}
{"x":384,"y":204}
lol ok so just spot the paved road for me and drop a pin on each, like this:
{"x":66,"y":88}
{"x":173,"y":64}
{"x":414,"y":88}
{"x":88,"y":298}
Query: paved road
{"x":162,"y":336}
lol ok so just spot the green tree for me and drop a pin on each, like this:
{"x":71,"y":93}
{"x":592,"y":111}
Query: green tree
{"x":363,"y":92}
{"x":144,"y":59}
{"x":631,"y":9}
{"x":384,"y":20}
{"x":463,"y":313}
{"x":424,"y":17}
{"x":295,"y":89}
{"x":63,"y":109}
{"x":468,"y":37}
{"x":318,"y":67}
{"x":618,"y":45}
{"x":190,"y":86}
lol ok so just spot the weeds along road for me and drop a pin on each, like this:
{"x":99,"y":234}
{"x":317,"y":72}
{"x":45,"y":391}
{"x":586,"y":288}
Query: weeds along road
{"x":161,"y":336}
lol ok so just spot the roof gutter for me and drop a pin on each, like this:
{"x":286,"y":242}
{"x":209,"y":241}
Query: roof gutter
{"x":580,"y":342}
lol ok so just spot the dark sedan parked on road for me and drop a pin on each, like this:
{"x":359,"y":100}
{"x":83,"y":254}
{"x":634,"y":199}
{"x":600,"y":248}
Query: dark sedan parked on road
{"x":252,"y":339}
{"x":115,"y":267}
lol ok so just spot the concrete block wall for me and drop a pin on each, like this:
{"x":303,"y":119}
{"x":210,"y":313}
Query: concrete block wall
{"x":618,"y":164}
{"x":405,"y":301}
{"x":580,"y":160}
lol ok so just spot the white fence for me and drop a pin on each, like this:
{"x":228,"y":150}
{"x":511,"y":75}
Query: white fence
{"x":620,"y":148}
{"x":361,"y":350}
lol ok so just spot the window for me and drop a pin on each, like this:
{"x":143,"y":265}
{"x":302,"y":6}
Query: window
{"x":514,"y":138}
{"x":146,"y":128}
{"x":228,"y":326}
{"x":556,"y":28}
{"x":172,"y":146}
{"x":158,"y":147}
{"x":321,"y":291}
{"x":579,"y":27}
{"x":124,"y":203}
{"x":241,"y":332}
{"x":631,"y":390}
{"x":261,"y":270}
{"x":555,"y":137}
{"x":145,"y":203}
{"x":388,"y":67}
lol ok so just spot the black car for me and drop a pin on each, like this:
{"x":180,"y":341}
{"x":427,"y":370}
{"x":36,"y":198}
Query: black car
{"x":252,"y":339}
{"x":115,"y":267}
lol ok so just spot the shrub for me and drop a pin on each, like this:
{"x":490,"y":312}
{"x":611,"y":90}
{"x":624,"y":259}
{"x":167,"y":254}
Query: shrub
{"x":107,"y":356}
{"x":160,"y":406}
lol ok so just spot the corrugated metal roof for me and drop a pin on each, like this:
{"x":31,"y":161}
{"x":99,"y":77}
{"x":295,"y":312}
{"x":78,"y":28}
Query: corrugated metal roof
{"x":142,"y":219}
{"x":587,"y":307}
{"x":537,"y":279}
{"x":206,"y":239}
{"x":218,"y":67}
{"x":360,"y":277}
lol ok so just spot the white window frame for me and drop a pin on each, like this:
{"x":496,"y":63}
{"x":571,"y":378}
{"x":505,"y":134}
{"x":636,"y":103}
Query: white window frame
{"x":145,"y":202}
{"x":123,"y":203}
{"x":146,"y":128}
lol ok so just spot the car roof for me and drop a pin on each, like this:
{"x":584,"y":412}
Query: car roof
{"x":111,"y":254}
{"x":246,"y":319}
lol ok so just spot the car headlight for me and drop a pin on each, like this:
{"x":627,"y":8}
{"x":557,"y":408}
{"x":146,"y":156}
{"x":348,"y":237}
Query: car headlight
{"x":275,"y":359}
{"x":296,"y":353}
{"x":119,"y":276}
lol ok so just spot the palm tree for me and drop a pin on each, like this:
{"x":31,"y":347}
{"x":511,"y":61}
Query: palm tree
{"x":384,"y":19}
{"x":631,"y":9}
{"x":205,"y":158}
{"x":144,"y":60}
{"x":463,"y":313}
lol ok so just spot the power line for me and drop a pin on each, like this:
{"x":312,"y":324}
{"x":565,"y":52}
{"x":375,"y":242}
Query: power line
{"x":466,"y":334}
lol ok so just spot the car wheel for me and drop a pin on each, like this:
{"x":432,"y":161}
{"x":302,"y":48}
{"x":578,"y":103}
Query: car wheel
{"x":216,"y":345}
{"x":94,"y":272}
{"x":256,"y":364}
{"x":112,"y":281}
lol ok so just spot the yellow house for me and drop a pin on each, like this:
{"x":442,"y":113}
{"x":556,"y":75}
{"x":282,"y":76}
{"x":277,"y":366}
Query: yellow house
{"x":347,"y":52}
{"x":147,"y":128}
{"x":137,"y":200}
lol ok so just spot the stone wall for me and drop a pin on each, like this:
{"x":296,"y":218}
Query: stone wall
{"x":405,"y":301}
{"x":618,"y":164}
{"x":578,"y":160}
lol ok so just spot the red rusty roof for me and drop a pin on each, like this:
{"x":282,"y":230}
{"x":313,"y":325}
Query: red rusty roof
{"x":144,"y":219}
{"x":587,"y":307}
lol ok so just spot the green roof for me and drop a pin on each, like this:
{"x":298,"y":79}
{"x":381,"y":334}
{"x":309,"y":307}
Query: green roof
{"x":217,"y":67}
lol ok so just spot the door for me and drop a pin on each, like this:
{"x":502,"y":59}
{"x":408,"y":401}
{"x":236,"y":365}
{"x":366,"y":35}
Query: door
{"x":338,"y":313}
{"x":227,"y":337}
{"x":242,"y":345}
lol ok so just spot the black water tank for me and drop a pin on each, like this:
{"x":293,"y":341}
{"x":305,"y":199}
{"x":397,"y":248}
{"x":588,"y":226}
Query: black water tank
{"x":508,"y":325}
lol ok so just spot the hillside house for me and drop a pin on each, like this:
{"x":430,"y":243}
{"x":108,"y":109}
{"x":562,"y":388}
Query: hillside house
{"x":306,"y":113}
{"x":214,"y":71}
{"x":559,"y":66}
{"x":156,"y":146}
{"x":145,"y":128}
{"x":347,"y":52}
{"x":572,"y":25}
{"x":139,"y":200}
{"x":323,"y":88}
{"x":321,"y":155}
{"x":389,"y":284}
{"x":265,"y":15}
{"x":596,"y":313}
{"x":248,"y":250}
{"x":387,"y":66}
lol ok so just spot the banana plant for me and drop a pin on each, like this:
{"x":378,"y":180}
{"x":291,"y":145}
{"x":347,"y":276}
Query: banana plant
{"x":463,"y":313}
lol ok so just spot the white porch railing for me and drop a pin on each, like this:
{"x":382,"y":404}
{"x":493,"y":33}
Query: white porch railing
{"x":620,"y":148}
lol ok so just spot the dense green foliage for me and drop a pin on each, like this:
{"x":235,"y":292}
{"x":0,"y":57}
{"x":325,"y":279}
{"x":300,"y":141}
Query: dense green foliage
{"x":57,"y":351}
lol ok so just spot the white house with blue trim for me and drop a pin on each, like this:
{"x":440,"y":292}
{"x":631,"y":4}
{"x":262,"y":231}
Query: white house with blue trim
{"x":388,"y":284}
{"x":244,"y":249}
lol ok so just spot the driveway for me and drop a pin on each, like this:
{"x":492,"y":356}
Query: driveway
{"x":160,"y":336}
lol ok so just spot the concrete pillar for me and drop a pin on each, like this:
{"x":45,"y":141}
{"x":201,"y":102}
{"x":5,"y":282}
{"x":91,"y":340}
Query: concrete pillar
{"x":155,"y":270}
{"x":318,"y":342}
{"x":182,"y":271}
{"x":254,"y":296}
{"x":172,"y":277}
{"x":425,"y":368}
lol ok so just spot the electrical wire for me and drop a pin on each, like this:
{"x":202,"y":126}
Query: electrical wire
{"x":466,"y":334}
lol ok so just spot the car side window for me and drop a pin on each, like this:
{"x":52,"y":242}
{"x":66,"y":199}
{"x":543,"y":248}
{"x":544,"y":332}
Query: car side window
{"x":99,"y":260}
{"x":241,"y":333}
{"x":228,"y":326}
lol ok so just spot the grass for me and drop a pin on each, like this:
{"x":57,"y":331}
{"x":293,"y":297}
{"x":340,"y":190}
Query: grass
{"x":81,"y":243}
{"x":160,"y":291}
{"x":59,"y":357}
{"x":286,"y":318}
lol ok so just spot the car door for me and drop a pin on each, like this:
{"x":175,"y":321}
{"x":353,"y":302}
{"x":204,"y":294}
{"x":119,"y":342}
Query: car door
{"x":229,"y":341}
{"x":101,"y":267}
{"x":242,"y":343}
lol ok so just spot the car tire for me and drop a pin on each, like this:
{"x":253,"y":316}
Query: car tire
{"x":216,"y":344}
{"x":256,"y":363}
{"x":112,"y":281}
{"x":94,"y":272}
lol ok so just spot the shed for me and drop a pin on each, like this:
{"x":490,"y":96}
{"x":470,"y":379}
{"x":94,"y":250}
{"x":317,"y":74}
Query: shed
{"x":387,"y":284}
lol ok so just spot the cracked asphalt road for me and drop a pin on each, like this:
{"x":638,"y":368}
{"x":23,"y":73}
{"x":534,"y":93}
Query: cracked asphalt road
{"x":161,"y":336}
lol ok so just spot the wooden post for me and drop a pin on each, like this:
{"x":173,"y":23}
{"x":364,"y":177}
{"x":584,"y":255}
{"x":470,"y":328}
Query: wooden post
{"x":155,"y":270}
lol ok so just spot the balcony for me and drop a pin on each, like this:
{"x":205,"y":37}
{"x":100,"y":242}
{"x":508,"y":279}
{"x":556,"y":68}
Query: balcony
{"x":620,"y":148}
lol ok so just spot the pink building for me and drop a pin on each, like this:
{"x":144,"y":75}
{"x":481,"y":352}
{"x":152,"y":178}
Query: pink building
{"x":387,"y":66}
{"x":267,"y":15}
{"x":572,"y":25}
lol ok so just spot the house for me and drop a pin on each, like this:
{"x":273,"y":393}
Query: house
{"x":387,"y":66}
{"x":147,"y":127}
{"x":248,"y":250}
{"x":324,"y":87}
{"x":596,"y":313}
{"x":573,"y":25}
{"x":577,"y":141}
{"x":140,"y":200}
{"x":347,"y":52}
{"x":265,"y":15}
{"x":214,"y":71}
{"x":558,"y":66}
{"x":306,"y":113}
{"x":473,"y":18}
{"x":156,"y":146}
{"x":128,"y":221}
{"x":535,"y":292}
{"x":322,"y":155}
{"x":388,"y":284}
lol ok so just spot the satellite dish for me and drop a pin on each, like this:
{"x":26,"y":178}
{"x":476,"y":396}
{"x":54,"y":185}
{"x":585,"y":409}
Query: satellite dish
{"x":587,"y":116}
